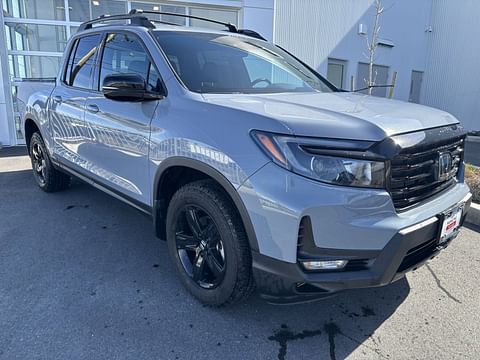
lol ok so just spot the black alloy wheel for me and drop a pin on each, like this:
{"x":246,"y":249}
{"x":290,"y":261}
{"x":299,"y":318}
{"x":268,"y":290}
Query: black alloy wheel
{"x":39,"y":163}
{"x":48,"y":178}
{"x":200,"y":247}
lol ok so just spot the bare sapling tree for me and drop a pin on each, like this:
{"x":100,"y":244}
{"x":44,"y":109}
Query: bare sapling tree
{"x":372,"y":44}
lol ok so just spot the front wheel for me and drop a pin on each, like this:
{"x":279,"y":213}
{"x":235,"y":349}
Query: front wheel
{"x":208,"y":244}
{"x":47,"y":177}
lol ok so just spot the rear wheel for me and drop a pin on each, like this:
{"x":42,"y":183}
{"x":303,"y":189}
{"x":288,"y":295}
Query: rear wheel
{"x":208,"y":244}
{"x":47,"y":177}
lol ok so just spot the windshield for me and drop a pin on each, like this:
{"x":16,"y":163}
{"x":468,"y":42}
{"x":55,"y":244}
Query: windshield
{"x":216,"y":63}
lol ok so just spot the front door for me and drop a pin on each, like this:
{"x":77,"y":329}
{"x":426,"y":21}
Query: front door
{"x":119,"y":131}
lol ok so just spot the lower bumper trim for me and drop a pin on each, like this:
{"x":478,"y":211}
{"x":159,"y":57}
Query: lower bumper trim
{"x":281,"y":282}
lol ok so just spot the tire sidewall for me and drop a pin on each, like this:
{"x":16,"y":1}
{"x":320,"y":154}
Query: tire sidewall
{"x":222,"y":220}
{"x":37,"y":139}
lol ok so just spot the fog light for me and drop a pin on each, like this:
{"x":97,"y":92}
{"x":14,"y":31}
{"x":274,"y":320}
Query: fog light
{"x":324,"y":265}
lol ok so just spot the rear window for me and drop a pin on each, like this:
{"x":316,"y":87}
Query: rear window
{"x":217,"y":63}
{"x":80,"y":63}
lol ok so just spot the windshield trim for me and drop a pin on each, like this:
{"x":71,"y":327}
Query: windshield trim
{"x":316,"y":73}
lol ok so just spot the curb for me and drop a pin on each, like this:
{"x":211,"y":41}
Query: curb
{"x":475,"y":139}
{"x":473,"y":215}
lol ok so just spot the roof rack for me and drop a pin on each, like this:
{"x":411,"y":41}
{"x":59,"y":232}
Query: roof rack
{"x":231,"y":28}
{"x":137,"y":17}
{"x":134,"y":20}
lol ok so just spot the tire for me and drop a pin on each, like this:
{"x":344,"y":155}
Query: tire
{"x":46,"y":176}
{"x":213,"y":259}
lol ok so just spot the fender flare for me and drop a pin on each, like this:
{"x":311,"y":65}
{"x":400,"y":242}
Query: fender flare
{"x":179,"y":161}
{"x":29,"y":117}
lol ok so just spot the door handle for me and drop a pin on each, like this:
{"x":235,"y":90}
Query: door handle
{"x":92,"y":108}
{"x":57,"y":99}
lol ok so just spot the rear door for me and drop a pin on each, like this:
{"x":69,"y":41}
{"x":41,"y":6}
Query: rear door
{"x":68,"y":101}
{"x":119,"y":131}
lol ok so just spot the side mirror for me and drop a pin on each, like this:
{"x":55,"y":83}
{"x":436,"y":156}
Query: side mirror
{"x":127,"y":87}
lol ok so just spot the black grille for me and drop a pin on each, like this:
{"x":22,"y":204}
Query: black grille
{"x":413,"y":172}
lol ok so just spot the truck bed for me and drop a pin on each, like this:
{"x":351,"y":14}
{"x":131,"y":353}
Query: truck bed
{"x":33,"y":95}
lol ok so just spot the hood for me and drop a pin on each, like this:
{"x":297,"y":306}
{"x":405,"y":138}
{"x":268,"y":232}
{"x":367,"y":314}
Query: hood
{"x":337,"y":115}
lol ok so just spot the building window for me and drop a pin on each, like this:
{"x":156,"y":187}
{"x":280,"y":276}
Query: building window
{"x":81,"y":10}
{"x":380,"y":77}
{"x":164,"y":8}
{"x":73,"y":30}
{"x":18,"y":127}
{"x":33,"y":37}
{"x":415,"y":86}
{"x":228,"y":16}
{"x":35,"y":9}
{"x":33,"y":66}
{"x":336,"y":72}
{"x":14,"y":97}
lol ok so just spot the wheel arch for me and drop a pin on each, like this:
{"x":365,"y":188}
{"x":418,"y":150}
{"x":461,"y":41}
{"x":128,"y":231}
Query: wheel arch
{"x":196,"y":170}
{"x":30,"y":127}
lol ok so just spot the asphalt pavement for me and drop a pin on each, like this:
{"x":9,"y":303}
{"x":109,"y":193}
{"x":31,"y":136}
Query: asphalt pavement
{"x":82,"y":276}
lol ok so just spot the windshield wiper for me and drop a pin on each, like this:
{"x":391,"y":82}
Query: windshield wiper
{"x":370,"y":87}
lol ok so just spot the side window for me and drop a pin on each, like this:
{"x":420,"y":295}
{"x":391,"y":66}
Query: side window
{"x":68,"y":69}
{"x":154,"y":83}
{"x":123,"y":53}
{"x":81,"y":63}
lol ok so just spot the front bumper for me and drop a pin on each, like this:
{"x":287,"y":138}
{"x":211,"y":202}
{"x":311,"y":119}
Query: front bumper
{"x":411,"y":247}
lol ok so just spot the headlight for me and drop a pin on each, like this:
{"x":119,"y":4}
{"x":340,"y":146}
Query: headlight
{"x":323,"y":160}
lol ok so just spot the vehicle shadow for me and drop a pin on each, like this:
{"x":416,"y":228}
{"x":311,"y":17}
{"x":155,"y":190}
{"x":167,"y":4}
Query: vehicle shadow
{"x":331,"y":328}
{"x":335,"y":326}
{"x":92,"y":266}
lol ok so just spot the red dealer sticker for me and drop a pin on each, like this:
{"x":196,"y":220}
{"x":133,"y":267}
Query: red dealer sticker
{"x":450,"y":225}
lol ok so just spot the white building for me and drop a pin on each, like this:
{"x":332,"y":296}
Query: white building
{"x":431,"y":44}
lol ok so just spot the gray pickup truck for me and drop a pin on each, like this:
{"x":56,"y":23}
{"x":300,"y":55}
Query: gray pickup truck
{"x":255,"y":169}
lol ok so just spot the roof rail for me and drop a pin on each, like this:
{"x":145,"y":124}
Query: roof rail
{"x":251,"y":33}
{"x":231,"y":28}
{"x":137,"y":17}
{"x":134,"y":20}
